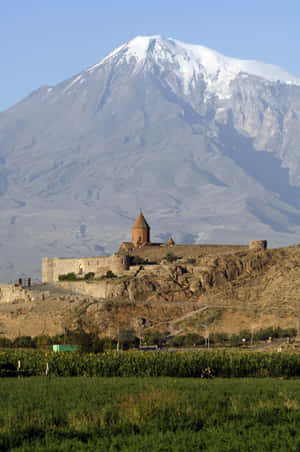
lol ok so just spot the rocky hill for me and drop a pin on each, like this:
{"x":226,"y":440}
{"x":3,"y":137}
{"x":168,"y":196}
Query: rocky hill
{"x":226,"y":292}
{"x":207,"y":145}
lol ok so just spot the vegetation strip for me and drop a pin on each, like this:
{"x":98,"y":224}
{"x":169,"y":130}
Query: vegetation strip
{"x":145,"y":364}
{"x":128,"y":339}
{"x":165,"y":414}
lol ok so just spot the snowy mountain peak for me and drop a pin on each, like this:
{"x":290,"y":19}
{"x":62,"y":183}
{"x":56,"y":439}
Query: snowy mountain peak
{"x":193,"y":62}
{"x":145,"y":128}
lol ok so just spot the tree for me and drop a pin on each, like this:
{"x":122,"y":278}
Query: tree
{"x":235,"y":340}
{"x":156,"y":338}
{"x":128,"y":339}
{"x":193,"y":339}
{"x":42,"y":341}
{"x":24,"y":342}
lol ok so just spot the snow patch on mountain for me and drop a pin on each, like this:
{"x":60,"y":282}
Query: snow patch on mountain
{"x":78,"y":159}
{"x":77,"y":79}
{"x":192,"y":62}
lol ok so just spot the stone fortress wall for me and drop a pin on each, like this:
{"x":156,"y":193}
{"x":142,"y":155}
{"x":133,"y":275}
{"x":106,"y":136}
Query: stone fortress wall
{"x":119,"y":264}
{"x":140,"y":245}
{"x":157,"y":253}
{"x":52,"y":267}
{"x":258,"y":245}
{"x":11,"y":292}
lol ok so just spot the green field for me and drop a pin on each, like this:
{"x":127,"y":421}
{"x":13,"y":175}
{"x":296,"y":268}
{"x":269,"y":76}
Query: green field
{"x":149,"y":414}
{"x":158,"y":364}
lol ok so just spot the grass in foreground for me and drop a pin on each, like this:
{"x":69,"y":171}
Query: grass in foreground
{"x":162,"y":414}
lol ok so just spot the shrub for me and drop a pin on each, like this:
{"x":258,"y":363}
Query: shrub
{"x":24,"y":342}
{"x":193,"y":339}
{"x":219,"y":338}
{"x":128,"y":339}
{"x":177,"y":341}
{"x":110,"y":274}
{"x":191,"y":261}
{"x":108,"y":343}
{"x":245,"y":334}
{"x":156,"y":338}
{"x":68,"y":277}
{"x":88,"y":342}
{"x":261,"y":335}
{"x":58,"y":339}
{"x":187,"y":340}
{"x":235,"y":340}
{"x":42,"y":341}
{"x":137,"y":260}
{"x":290,"y":332}
{"x":5,"y":342}
{"x":170,"y":257}
{"x":264,"y":334}
{"x":90,"y":275}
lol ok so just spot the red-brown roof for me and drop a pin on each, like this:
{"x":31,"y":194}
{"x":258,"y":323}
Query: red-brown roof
{"x":140,"y":222}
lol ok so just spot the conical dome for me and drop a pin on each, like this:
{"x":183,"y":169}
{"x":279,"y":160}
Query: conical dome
{"x":140,"y":231}
{"x":140,"y":222}
{"x":170,"y":241}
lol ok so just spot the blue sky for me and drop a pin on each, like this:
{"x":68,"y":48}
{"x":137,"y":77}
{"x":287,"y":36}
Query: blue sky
{"x":43,"y":42}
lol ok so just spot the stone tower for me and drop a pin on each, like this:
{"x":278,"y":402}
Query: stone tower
{"x":140,"y":231}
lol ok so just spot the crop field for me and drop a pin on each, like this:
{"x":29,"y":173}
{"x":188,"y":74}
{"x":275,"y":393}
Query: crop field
{"x":145,"y":364}
{"x":149,"y":414}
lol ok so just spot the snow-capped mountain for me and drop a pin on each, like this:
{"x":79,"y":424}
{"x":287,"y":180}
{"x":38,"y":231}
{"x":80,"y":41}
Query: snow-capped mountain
{"x":191,"y":64}
{"x":207,"y":145}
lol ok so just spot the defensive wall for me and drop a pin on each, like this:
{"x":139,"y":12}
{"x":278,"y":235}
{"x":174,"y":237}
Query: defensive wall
{"x":156,"y":253}
{"x":97,"y":289}
{"x":11,"y":292}
{"x":52,"y":267}
{"x":140,"y":245}
{"x":119,"y":263}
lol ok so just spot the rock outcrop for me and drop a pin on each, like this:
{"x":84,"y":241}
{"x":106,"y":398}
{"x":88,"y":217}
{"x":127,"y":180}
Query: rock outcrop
{"x":228,"y":292}
{"x":177,"y":281}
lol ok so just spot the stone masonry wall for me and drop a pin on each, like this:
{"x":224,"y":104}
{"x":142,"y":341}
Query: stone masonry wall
{"x":53,"y":267}
{"x":98,"y":289}
{"x":10,"y":292}
{"x":119,"y":263}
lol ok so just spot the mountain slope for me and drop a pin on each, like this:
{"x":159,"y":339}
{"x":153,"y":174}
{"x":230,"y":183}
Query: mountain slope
{"x":207,"y":145}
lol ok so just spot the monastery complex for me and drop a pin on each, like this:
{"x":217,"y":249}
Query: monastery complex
{"x":120,"y":263}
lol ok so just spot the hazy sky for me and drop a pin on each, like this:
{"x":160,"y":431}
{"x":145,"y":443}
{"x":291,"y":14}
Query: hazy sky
{"x":43,"y":42}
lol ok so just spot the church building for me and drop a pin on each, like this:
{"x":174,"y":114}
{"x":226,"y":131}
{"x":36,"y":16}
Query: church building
{"x":140,"y":231}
